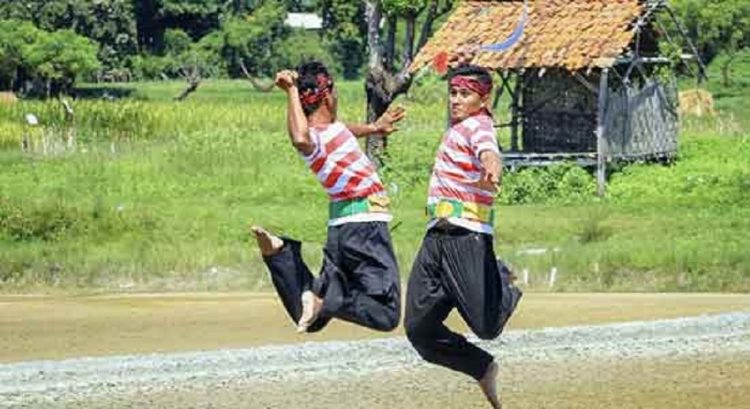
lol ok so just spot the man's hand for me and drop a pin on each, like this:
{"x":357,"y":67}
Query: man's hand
{"x":492,"y":171}
{"x":286,"y":80}
{"x":488,"y":181}
{"x":385,"y":125}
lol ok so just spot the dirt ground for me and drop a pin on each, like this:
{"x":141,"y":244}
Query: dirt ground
{"x":43,"y":327}
{"x":575,"y":376}
{"x":714,"y":382}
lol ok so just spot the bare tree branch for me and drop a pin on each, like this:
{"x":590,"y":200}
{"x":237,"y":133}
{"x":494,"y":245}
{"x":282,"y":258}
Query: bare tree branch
{"x":254,"y":81}
{"x":192,"y":86}
{"x":447,"y":6}
{"x":432,"y":11}
{"x":193,"y":76}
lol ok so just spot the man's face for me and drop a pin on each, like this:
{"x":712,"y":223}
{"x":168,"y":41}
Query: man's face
{"x":465,"y":103}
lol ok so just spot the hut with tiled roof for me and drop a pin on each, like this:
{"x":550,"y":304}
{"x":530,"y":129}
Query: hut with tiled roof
{"x":582,"y":78}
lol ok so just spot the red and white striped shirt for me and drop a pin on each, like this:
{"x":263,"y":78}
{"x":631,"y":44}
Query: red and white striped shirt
{"x":457,"y":168}
{"x":343,"y":169}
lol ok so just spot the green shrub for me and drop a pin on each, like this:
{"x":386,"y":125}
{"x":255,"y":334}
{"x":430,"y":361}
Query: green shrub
{"x":30,"y":222}
{"x":563,"y":184}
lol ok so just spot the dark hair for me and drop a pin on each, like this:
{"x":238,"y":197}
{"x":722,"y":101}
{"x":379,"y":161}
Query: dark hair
{"x":308,"y":80}
{"x":468,"y":70}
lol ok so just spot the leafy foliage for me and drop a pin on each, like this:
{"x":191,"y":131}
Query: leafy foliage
{"x":51,"y":60}
{"x":345,"y":32}
{"x":717,"y":26}
{"x":403,"y":7}
{"x":110,"y":23}
{"x":253,"y":40}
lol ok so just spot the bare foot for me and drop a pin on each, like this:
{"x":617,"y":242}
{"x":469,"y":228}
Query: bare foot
{"x":311,"y":306}
{"x":488,"y":383}
{"x":267,"y":242}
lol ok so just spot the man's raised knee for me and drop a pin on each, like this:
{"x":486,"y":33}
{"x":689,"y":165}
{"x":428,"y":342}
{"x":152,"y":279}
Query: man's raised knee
{"x":390,"y":322}
{"x":487,"y":331}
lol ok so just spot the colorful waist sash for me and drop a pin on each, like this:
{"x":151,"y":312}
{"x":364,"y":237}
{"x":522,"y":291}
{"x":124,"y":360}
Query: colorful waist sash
{"x":369,"y":204}
{"x":446,"y":208}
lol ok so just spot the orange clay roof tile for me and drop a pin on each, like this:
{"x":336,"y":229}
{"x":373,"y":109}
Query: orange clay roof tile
{"x":569,"y":34}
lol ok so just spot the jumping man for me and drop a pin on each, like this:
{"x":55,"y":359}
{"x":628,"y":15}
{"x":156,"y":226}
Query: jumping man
{"x":456,"y":265}
{"x":359,"y":280}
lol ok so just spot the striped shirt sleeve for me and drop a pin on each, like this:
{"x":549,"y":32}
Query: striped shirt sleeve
{"x":484,"y":139}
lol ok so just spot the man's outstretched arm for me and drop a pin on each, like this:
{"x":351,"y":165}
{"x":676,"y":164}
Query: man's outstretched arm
{"x":384,"y":126}
{"x":299,"y":131}
{"x":492,"y":171}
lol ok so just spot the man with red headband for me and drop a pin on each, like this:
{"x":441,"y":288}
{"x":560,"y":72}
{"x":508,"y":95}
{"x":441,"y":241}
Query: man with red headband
{"x":456,"y":265}
{"x":359,"y":280}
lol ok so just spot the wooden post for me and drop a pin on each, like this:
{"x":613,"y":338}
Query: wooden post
{"x":601,"y":142}
{"x":515,"y":112}
{"x":70,"y":131}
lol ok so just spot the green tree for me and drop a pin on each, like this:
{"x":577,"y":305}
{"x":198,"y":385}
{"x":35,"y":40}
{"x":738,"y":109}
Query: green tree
{"x":302,"y":6}
{"x":345,"y":32}
{"x":195,"y":17}
{"x":15,"y":38}
{"x":717,"y":26}
{"x":247,"y":44}
{"x":196,"y":63}
{"x":150,"y":29}
{"x":57,"y":59}
{"x":250,"y":44}
{"x":386,"y":79}
{"x":52,"y":61}
{"x":111,"y":23}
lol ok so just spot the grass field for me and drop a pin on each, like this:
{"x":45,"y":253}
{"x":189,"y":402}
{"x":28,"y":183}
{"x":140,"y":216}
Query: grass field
{"x":159,"y":194}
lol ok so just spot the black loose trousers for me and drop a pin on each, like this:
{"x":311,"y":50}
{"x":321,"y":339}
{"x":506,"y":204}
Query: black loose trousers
{"x":457,"y":268}
{"x":359,"y":280}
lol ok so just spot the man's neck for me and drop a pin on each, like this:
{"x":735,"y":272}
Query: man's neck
{"x":320,"y":117}
{"x":482,"y":111}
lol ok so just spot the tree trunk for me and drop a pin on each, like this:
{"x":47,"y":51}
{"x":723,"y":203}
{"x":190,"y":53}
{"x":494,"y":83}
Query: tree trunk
{"x":390,"y":42}
{"x":411,"y":23}
{"x":384,"y":83}
{"x":374,"y":15}
{"x":376,"y":105}
{"x":378,"y":101}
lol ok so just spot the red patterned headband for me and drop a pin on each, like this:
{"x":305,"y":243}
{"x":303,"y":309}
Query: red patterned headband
{"x":314,"y":96}
{"x":471,"y":84}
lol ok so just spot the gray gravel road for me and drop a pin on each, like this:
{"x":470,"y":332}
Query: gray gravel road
{"x":63,"y":383}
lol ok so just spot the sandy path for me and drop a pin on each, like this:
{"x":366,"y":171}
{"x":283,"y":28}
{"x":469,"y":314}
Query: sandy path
{"x":33,"y":328}
{"x":690,"y":362}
